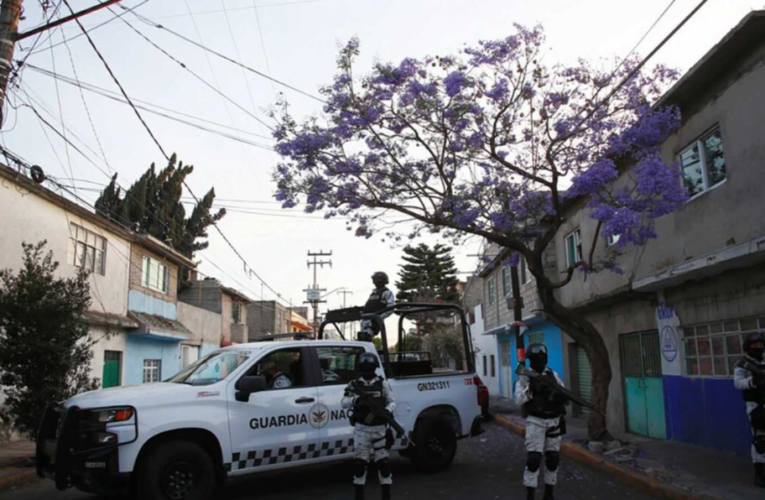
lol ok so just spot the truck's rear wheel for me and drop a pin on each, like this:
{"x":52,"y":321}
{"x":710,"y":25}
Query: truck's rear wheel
{"x":178,"y":470}
{"x":435,"y":444}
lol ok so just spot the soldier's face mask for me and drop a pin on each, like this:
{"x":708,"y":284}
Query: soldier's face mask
{"x":537,"y":358}
{"x":756,"y":350}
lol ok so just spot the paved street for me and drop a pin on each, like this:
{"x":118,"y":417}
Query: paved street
{"x":487,"y":467}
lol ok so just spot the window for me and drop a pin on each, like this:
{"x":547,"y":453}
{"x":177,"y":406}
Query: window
{"x":703,"y":163}
{"x":504,"y":354}
{"x":485,"y":367}
{"x":493,"y":366}
{"x":212,"y":368}
{"x":236,"y":311}
{"x":712,"y":350}
{"x":612,"y":240}
{"x":87,"y":249}
{"x":573,"y":248}
{"x":507,"y":286}
{"x":523,"y":271}
{"x":492,"y":291}
{"x":155,"y":275}
{"x":151,"y":370}
{"x":189,"y":354}
{"x":283,"y":369}
{"x":338,"y":364}
{"x":536,"y":338}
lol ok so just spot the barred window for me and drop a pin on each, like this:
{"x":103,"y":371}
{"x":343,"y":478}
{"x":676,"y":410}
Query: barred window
{"x":712,"y":350}
{"x":151,"y":370}
{"x":87,"y":249}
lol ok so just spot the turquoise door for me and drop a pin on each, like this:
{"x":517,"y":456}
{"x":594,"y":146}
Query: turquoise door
{"x":643,"y":384}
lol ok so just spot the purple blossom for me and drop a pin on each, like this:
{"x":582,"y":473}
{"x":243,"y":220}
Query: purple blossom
{"x":455,"y":82}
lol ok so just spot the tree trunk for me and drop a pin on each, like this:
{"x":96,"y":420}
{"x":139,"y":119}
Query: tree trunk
{"x":586,"y":335}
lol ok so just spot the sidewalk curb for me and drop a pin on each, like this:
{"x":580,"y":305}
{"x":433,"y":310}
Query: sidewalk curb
{"x":15,"y":479}
{"x":637,"y":480}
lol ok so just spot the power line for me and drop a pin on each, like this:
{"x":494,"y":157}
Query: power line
{"x":90,"y":29}
{"x":231,"y":9}
{"x":262,"y":42}
{"x":238,"y":54}
{"x":215,"y":88}
{"x":148,"y":130}
{"x":148,"y":105}
{"x":645,"y":35}
{"x":218,"y":54}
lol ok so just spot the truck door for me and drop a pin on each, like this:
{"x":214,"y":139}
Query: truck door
{"x":338,"y":366}
{"x":276,"y":426}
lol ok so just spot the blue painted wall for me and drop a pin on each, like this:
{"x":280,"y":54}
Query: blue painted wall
{"x":552,"y":339}
{"x":141,"y":347}
{"x":143,"y":303}
{"x":707,"y":412}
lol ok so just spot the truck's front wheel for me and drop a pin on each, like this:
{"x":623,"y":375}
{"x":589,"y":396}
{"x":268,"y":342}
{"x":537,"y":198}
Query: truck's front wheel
{"x":435,"y":444}
{"x":177,"y":470}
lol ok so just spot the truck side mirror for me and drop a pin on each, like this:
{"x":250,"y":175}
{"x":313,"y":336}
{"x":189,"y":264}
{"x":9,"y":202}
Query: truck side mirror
{"x":247,"y":385}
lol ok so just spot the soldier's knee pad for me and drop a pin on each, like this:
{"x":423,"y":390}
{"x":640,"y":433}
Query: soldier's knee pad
{"x":383,"y":467}
{"x":359,"y":468}
{"x":552,"y":460}
{"x":534,"y":461}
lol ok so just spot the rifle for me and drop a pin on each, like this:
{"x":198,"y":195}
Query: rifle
{"x":376,"y":410}
{"x":522,"y":370}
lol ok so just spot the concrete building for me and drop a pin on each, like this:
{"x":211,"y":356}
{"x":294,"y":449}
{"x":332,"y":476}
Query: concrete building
{"x":266,"y":317}
{"x":78,"y":238}
{"x":229,"y":304}
{"x":498,"y":319}
{"x":674,"y":322}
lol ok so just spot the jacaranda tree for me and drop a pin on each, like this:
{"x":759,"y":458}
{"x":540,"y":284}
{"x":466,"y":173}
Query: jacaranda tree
{"x":491,"y":142}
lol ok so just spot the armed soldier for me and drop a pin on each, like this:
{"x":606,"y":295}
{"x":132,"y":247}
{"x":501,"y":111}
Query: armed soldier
{"x":545,"y":409}
{"x":372,"y":404}
{"x":380,"y":298}
{"x":749,"y":377}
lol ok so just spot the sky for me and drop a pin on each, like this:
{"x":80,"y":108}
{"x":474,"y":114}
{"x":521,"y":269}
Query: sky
{"x":294,"y":41}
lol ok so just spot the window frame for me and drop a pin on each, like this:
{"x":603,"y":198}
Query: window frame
{"x":323,"y":383}
{"x":150,"y":369}
{"x":575,"y":235}
{"x":723,"y":329}
{"x":236,"y":312}
{"x":493,"y":360}
{"x":91,"y":242}
{"x":146,"y":281}
{"x":699,"y":143}
{"x":612,"y":240}
{"x":523,"y":271}
{"x":492,"y":289}
{"x":507,"y":284}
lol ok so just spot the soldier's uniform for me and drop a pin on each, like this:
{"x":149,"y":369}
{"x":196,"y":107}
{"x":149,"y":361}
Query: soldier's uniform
{"x":544,"y":410}
{"x":369,"y":431}
{"x":753,"y":388}
{"x":380,"y":298}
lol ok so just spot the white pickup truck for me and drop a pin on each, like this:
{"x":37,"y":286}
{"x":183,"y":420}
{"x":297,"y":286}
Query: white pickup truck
{"x":181,"y":438}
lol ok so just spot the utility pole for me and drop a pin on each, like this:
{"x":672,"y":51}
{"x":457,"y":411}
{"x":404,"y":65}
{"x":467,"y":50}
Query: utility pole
{"x":517,"y":314}
{"x":314,"y":293}
{"x":10,"y":12}
{"x":345,"y":293}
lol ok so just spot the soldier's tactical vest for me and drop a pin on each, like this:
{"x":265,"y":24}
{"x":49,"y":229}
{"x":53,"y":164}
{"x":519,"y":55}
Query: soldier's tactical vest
{"x":754,"y":395}
{"x":373,"y":391}
{"x":541,"y":404}
{"x":376,"y":302}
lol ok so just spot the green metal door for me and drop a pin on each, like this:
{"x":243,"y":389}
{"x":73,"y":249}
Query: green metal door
{"x":643,"y":384}
{"x":584,"y":377}
{"x":112,"y":369}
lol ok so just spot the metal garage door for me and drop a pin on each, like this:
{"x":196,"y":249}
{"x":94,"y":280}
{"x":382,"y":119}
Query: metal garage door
{"x":584,"y":376}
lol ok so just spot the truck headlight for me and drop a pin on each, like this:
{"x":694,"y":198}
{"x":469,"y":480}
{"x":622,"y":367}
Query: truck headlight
{"x":115,"y":415}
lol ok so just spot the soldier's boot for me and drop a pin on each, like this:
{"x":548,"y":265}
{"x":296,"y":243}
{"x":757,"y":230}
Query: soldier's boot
{"x":530,"y":493}
{"x":759,"y":475}
{"x":385,"y":492}
{"x":359,"y":491}
{"x":549,"y":492}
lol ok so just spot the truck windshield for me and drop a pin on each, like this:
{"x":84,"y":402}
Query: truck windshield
{"x":211,"y":369}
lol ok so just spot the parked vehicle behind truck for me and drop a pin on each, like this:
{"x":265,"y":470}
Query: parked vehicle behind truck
{"x":219,"y":417}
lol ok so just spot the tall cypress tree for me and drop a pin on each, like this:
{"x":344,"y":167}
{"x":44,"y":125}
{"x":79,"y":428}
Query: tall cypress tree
{"x":429,"y":274}
{"x":152,"y":205}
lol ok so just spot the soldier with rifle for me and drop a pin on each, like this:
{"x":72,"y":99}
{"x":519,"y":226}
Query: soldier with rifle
{"x":372,"y":405}
{"x":749,"y":377}
{"x":539,"y":391}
